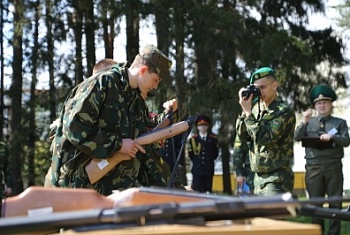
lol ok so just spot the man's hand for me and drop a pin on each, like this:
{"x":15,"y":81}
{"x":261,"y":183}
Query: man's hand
{"x":8,"y":192}
{"x":246,"y":103}
{"x":170,"y":104}
{"x":129,"y":149}
{"x":240,"y":181}
{"x":325,"y":137}
{"x":307,"y":115}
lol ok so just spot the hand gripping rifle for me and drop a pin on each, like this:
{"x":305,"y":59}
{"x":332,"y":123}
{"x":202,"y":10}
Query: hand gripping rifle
{"x":139,"y":206}
{"x":97,"y":168}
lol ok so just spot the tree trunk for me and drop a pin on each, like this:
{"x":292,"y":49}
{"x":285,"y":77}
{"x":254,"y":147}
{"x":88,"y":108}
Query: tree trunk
{"x":90,"y":36}
{"x":131,"y":9}
{"x":50,"y":59}
{"x":2,"y":94}
{"x":33,"y":95}
{"x":16,"y":136}
{"x":108,"y":16}
{"x":78,"y":33}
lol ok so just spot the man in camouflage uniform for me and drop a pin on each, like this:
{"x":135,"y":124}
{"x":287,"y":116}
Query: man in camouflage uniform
{"x":241,"y":163}
{"x":270,"y":124}
{"x":103,"y":65}
{"x":324,"y":168}
{"x":5,"y":174}
{"x":103,"y":115}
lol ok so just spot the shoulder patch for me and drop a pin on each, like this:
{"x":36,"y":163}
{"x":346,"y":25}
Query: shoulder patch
{"x":275,"y":123}
{"x":213,"y":136}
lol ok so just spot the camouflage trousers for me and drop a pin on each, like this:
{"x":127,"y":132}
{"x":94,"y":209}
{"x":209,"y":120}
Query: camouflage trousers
{"x":276,"y":182}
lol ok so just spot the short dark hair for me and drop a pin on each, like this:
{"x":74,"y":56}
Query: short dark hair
{"x":103,"y":65}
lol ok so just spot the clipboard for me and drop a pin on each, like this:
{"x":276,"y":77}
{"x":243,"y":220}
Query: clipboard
{"x":315,"y":142}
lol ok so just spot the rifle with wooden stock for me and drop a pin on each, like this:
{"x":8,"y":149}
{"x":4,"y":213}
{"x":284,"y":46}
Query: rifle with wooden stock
{"x":97,"y":168}
{"x":142,"y":206}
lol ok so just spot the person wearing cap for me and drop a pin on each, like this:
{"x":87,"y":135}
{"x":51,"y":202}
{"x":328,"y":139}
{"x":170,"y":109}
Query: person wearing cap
{"x":203,"y":150}
{"x":270,"y":122}
{"x":103,"y":115}
{"x":324,"y":169}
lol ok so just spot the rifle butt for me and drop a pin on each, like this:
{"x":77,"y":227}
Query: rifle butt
{"x":37,"y":200}
{"x":97,"y":168}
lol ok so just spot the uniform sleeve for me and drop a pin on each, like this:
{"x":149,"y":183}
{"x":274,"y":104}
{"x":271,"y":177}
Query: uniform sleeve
{"x":80,"y":121}
{"x":271,"y":127}
{"x":240,"y":148}
{"x":342,"y":137}
{"x":216,"y":148}
{"x":300,"y":131}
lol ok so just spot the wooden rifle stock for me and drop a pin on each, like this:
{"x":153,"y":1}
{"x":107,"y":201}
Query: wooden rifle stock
{"x":37,"y":200}
{"x":97,"y":168}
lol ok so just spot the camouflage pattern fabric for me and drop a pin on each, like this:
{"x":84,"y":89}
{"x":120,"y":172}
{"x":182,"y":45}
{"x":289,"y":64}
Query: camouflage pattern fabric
{"x":5,"y":174}
{"x":271,"y":152}
{"x":96,"y":116}
{"x":241,"y":162}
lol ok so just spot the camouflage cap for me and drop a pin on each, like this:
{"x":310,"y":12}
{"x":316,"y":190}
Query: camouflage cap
{"x":322,"y":92}
{"x":260,"y":73}
{"x":154,"y":56}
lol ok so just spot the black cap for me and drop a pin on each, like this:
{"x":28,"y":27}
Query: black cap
{"x":203,"y":120}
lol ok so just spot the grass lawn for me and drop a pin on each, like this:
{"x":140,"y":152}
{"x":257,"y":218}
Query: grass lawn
{"x":345,"y":225}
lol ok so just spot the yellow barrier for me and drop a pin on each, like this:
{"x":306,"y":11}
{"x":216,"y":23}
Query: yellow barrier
{"x":299,"y":183}
{"x":218,"y":183}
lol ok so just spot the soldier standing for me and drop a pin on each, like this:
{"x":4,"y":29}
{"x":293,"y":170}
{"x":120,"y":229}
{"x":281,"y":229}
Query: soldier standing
{"x":270,"y":124}
{"x":203,"y":150}
{"x":324,"y":168}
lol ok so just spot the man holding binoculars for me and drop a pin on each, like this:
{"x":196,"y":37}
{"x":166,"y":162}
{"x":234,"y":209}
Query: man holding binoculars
{"x":270,"y":123}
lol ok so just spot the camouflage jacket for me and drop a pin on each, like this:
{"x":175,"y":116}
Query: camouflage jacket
{"x":241,"y":148}
{"x":96,"y":116}
{"x":272,"y":136}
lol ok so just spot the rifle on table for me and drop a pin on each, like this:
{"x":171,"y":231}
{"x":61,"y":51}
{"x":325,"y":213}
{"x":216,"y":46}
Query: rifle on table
{"x":145,"y":206}
{"x":97,"y":168}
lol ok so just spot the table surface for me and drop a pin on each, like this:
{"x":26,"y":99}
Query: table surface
{"x":255,"y":226}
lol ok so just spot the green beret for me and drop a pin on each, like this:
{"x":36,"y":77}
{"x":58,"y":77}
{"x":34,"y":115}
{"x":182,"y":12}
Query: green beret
{"x":260,"y":73}
{"x":322,"y":92}
{"x":154,"y":56}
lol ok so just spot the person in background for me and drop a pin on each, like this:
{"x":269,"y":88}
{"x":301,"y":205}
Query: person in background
{"x":324,"y":168}
{"x":103,"y":116}
{"x":270,"y":123}
{"x":203,"y":150}
{"x":170,"y":148}
{"x":241,"y":163}
{"x":5,"y":172}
